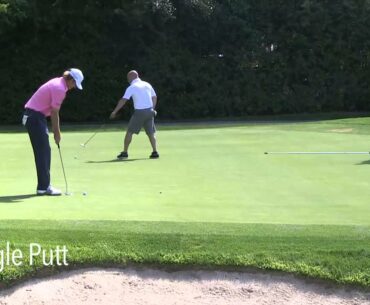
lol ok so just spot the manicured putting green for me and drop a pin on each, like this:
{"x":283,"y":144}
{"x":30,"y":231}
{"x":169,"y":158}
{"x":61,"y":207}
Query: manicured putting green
{"x":215,"y":173}
{"x":212,"y":199}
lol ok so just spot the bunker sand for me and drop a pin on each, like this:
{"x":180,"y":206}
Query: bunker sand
{"x":152,"y":287}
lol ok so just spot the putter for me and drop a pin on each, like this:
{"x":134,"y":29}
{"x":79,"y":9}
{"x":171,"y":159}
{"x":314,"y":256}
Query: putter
{"x":64,"y":173}
{"x":95,"y":133}
{"x":317,"y":153}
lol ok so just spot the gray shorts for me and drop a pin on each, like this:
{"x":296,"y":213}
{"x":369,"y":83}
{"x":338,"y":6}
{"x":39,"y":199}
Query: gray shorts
{"x":140,"y":118}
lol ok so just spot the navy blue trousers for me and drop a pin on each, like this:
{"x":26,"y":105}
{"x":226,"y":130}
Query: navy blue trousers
{"x":39,"y":135}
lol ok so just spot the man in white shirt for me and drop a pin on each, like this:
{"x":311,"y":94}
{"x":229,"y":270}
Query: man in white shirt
{"x":145,"y":100}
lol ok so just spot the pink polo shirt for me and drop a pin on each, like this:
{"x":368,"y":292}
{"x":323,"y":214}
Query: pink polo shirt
{"x":49,"y":96}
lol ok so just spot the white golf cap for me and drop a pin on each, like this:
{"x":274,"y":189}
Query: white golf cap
{"x":77,"y":76}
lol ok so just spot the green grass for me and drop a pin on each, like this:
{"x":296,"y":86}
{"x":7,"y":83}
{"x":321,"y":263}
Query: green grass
{"x":212,"y":199}
{"x":338,"y":253}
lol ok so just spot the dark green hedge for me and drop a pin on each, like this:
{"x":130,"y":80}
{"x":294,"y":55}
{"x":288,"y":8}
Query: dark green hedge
{"x":205,"y":58}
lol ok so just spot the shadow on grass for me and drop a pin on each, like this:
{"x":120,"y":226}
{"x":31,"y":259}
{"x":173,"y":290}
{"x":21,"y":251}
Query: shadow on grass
{"x":15,"y":198}
{"x":117,"y":160}
{"x":364,"y":162}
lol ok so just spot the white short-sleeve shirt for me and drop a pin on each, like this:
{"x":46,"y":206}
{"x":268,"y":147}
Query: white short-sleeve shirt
{"x":141,"y":93}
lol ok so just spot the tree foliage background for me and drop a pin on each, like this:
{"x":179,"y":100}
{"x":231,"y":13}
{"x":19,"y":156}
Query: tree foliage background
{"x":205,"y":58}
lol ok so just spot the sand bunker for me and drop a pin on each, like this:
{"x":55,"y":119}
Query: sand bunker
{"x":139,"y":287}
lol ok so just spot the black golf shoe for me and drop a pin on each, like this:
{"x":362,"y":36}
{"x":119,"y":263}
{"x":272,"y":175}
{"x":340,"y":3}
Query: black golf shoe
{"x":154,"y":155}
{"x":122,"y":155}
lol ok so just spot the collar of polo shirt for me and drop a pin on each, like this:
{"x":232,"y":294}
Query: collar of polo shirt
{"x":135,"y":80}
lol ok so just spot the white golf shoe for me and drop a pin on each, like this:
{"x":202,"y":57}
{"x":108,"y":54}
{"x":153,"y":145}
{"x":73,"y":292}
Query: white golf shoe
{"x":51,"y":191}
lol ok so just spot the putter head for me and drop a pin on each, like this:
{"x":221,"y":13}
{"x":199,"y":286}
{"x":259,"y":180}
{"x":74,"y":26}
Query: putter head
{"x":68,"y":194}
{"x":82,"y":144}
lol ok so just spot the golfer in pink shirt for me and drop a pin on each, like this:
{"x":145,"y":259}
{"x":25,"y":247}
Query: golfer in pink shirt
{"x":46,"y":102}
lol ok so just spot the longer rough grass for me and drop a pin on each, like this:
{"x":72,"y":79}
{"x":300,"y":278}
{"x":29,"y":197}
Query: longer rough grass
{"x":337,"y":253}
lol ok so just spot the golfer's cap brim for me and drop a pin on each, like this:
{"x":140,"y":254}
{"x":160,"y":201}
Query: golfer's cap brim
{"x":79,"y":86}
